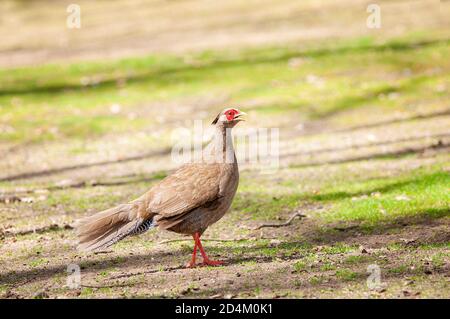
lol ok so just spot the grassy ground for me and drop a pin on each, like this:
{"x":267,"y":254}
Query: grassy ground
{"x":364,"y":143}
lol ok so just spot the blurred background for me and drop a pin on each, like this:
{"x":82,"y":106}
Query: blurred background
{"x":362,"y":105}
{"x":145,"y":67}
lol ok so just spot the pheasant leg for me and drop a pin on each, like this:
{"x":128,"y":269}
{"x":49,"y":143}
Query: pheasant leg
{"x":206,"y":260}
{"x":191,"y":264}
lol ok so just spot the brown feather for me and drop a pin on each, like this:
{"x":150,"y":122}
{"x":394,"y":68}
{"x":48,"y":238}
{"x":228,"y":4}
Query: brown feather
{"x":188,"y":201}
{"x":189,"y":187}
{"x":105,"y":228}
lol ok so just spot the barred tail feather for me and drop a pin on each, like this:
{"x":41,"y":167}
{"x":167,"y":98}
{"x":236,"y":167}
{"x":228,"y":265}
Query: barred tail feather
{"x":106,"y":228}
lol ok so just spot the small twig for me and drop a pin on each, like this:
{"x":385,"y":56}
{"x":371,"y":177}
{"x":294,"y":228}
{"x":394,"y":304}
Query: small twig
{"x":23,"y":283}
{"x":13,"y":196}
{"x":102,"y":252}
{"x":203,"y":239}
{"x":287,"y":223}
{"x":108,"y":286}
{"x":44,"y":229}
{"x":151,"y":271}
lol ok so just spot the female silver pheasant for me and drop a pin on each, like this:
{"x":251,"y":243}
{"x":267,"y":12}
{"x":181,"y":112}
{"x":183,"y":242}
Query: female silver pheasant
{"x":187,"y":202}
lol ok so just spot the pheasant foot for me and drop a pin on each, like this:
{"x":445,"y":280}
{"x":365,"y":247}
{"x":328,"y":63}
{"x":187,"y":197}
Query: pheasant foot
{"x":206,"y":260}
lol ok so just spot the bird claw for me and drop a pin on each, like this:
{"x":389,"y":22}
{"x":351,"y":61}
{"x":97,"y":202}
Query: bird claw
{"x":205,"y":263}
{"x":206,"y":260}
{"x":209,"y":262}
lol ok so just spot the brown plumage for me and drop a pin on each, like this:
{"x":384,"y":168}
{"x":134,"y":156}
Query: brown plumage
{"x":187,"y":202}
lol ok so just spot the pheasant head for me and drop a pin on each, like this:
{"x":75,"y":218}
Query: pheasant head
{"x":228,"y":118}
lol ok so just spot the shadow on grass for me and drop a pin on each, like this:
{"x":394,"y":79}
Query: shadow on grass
{"x":392,"y":121}
{"x":423,"y":180}
{"x":355,"y":101}
{"x":260,"y":253}
{"x":381,"y":155}
{"x":90,"y":263}
{"x":170,"y":74}
{"x":403,"y":152}
{"x":357,"y":146}
{"x":63,"y":169}
{"x":282,"y":280}
{"x":349,"y":231}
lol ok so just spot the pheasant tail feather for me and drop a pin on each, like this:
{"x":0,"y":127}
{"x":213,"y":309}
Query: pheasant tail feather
{"x":106,"y":228}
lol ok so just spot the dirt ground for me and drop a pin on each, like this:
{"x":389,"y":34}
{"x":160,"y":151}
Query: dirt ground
{"x":46,"y":186}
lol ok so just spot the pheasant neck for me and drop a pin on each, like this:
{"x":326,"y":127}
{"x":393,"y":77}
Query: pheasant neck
{"x":223,"y":149}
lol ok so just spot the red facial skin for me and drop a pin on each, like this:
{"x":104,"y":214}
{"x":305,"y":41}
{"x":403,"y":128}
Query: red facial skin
{"x":231,"y":113}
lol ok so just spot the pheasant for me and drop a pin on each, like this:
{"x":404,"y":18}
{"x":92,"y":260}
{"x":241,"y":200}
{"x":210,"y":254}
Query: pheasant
{"x":187,"y":202}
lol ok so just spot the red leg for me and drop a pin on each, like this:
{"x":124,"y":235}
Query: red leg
{"x":191,"y":264}
{"x":206,"y":260}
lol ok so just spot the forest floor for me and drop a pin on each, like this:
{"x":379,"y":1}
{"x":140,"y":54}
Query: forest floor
{"x":364,"y":146}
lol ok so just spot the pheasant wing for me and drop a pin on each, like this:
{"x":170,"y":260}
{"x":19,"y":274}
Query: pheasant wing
{"x":191,"y":186}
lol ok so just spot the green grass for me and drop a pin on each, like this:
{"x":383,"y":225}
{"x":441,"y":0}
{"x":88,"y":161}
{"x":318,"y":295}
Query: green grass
{"x":316,"y":280}
{"x":356,"y":259}
{"x":346,"y":274}
{"x":440,"y":259}
{"x":87,"y":292}
{"x":38,"y":262}
{"x":398,"y":270}
{"x":419,"y":194}
{"x":299,"y":266}
{"x":327,"y":267}
{"x":422,"y":193}
{"x":73,"y":100}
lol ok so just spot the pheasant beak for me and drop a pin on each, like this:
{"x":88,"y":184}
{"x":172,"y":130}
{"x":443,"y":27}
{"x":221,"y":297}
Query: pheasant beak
{"x":238,"y":118}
